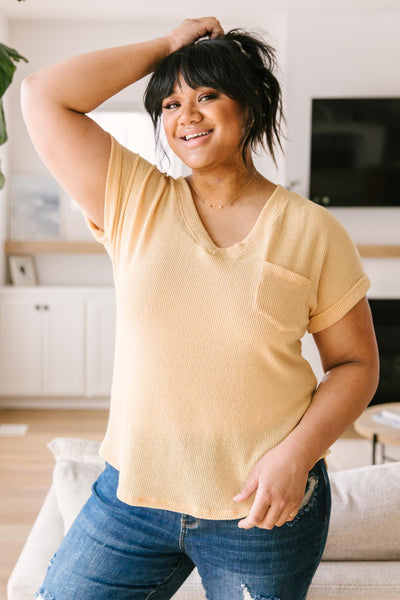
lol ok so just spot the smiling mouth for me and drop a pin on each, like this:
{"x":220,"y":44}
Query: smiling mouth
{"x":194,"y":136}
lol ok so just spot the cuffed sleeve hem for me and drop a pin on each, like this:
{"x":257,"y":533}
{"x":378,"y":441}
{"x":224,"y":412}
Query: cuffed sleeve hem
{"x":335,"y":312}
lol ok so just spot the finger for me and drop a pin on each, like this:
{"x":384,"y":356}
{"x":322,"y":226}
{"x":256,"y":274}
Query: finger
{"x":191,"y":30}
{"x":273,"y":516}
{"x":250,"y":522}
{"x":286,"y":517}
{"x":208,"y":26}
{"x":257,"y":512}
{"x":248,"y":488}
{"x":217,"y":30}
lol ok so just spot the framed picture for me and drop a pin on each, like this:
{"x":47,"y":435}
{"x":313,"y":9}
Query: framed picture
{"x":23,"y":272}
{"x":35,"y":207}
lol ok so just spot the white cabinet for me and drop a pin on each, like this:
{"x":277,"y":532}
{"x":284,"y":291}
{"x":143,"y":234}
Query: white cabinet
{"x":41,"y":343}
{"x":63,"y":346}
{"x":21,"y":345}
{"x":100,"y":336}
{"x":56,"y":341}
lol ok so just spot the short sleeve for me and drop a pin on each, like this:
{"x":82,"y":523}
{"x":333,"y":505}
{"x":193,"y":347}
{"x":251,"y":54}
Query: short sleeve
{"x":126,"y":171}
{"x":342,"y":281}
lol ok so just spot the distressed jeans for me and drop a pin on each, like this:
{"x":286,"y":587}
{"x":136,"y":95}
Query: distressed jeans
{"x":120,"y":552}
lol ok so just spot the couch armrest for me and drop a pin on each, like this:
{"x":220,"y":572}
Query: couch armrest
{"x":45,"y":537}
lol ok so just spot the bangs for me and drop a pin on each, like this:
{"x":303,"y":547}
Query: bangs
{"x":204,"y":64}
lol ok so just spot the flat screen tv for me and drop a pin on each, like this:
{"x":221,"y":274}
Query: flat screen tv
{"x":355,"y":152}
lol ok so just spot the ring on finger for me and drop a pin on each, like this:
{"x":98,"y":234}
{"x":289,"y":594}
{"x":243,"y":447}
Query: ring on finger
{"x":291,"y":515}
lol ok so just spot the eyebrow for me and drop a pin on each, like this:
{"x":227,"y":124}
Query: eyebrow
{"x":175,"y":91}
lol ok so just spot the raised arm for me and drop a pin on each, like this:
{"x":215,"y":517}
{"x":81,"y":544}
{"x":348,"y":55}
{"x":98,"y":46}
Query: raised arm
{"x":55,"y":101}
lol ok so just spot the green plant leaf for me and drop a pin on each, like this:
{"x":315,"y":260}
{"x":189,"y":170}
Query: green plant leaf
{"x":7,"y":67}
{"x":3,"y":130}
{"x":16,"y":56}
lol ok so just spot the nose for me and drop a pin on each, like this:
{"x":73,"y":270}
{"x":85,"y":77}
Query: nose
{"x":189,"y":113}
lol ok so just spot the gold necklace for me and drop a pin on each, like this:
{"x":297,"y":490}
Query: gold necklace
{"x":232,"y":201}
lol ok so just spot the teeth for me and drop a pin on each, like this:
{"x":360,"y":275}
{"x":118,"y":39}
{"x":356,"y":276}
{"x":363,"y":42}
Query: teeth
{"x":189,"y":137}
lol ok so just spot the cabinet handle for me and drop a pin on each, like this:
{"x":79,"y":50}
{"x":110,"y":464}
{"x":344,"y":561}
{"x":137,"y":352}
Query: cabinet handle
{"x":46,"y":307}
{"x":37,"y":307}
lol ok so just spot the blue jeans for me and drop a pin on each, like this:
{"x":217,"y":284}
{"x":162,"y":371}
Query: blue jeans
{"x":117,"y":551}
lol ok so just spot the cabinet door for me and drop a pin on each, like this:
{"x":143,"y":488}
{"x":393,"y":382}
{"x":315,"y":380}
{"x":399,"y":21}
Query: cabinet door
{"x":21,"y":346}
{"x":63,"y":353}
{"x":100,"y":345}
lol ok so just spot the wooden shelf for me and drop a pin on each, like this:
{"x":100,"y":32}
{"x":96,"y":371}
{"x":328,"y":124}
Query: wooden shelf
{"x":52,"y":247}
{"x":61,"y":247}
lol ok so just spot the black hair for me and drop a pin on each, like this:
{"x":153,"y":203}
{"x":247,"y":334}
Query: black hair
{"x":239,"y":64}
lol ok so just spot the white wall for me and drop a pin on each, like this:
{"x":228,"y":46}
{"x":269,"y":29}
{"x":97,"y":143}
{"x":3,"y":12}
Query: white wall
{"x":341,"y":55}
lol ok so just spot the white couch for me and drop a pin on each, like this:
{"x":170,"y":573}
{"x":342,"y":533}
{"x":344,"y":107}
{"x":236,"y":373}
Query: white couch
{"x":361,"y":559}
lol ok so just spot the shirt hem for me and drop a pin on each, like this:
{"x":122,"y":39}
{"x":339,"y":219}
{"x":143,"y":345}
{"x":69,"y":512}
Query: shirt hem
{"x":181,"y":508}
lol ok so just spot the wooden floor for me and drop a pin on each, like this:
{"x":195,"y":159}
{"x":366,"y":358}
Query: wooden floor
{"x":26,"y":466}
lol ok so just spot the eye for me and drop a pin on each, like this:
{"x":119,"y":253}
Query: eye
{"x":170,"y":105}
{"x":209,"y":96}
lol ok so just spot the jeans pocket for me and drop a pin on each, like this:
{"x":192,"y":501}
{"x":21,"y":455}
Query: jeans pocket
{"x":316,"y":495}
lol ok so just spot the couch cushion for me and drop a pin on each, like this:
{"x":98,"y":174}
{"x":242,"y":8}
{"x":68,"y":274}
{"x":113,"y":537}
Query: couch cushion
{"x":76,"y":449}
{"x":358,"y":580}
{"x":365,"y":519}
{"x":78,"y":465}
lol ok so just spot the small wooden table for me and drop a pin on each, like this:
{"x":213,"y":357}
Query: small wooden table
{"x":377,"y":432}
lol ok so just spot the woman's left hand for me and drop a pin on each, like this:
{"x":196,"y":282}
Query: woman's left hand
{"x":280,"y":478}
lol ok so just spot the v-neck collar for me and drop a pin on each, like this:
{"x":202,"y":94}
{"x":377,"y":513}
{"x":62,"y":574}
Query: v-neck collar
{"x":269,"y":211}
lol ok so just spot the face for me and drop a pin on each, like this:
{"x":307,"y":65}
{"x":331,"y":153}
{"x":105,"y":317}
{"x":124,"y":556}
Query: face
{"x":216,"y":121}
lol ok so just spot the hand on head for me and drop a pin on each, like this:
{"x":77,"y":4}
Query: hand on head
{"x":192,"y":29}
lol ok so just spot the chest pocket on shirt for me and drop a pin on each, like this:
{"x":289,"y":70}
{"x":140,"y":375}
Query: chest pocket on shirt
{"x":281,"y":296}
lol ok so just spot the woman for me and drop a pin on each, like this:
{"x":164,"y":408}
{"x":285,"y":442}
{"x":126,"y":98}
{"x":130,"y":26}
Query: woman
{"x":217,"y":434}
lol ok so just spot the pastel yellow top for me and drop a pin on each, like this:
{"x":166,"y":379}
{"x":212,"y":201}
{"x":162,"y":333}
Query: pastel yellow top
{"x":208,"y":372}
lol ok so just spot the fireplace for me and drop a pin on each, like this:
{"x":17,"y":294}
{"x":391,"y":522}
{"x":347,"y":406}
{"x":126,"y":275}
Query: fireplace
{"x":386,"y":315}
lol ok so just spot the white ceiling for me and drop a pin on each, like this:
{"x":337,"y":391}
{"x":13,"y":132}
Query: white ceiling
{"x":179,"y":9}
